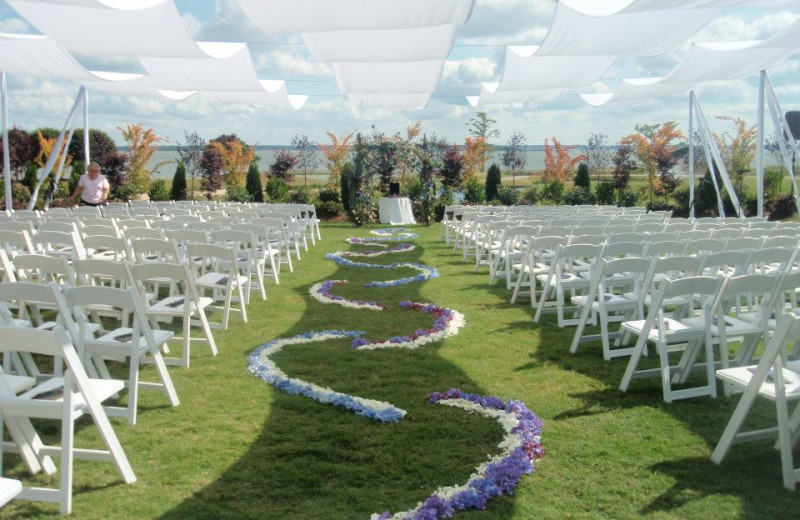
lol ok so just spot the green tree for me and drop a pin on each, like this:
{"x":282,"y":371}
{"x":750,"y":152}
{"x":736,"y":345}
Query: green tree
{"x":493,"y":182}
{"x":253,"y":183}
{"x":100,"y":145}
{"x":514,"y":155}
{"x":582,"y":177}
{"x":179,"y":183}
{"x":345,"y":181}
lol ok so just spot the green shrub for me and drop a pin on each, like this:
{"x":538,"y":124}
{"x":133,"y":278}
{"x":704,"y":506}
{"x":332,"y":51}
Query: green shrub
{"x":530,"y":196}
{"x":553,"y":192}
{"x":628,"y":199}
{"x":474,"y":193}
{"x":493,"y":182}
{"x":445,"y":199}
{"x":681,"y":199}
{"x":75,"y":175}
{"x":605,"y":193}
{"x":773,"y":178}
{"x":578,"y":195}
{"x":31,"y":176}
{"x":329,"y":209}
{"x":234,"y":193}
{"x":253,"y":183}
{"x":277,"y":190}
{"x":178,"y":191}
{"x":329,"y":195}
{"x":300,"y":195}
{"x":784,"y":208}
{"x":508,"y":196}
{"x":125,"y":192}
{"x":345,"y":185}
{"x":158,"y":190}
{"x":412,"y":188}
{"x":582,"y":179}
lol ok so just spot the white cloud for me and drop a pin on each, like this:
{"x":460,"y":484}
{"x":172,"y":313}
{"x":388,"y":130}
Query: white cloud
{"x":470,"y":70}
{"x":291,"y":65}
{"x":735,"y":28}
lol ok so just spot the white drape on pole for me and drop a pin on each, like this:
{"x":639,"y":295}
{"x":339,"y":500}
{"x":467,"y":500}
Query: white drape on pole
{"x":6,"y":151}
{"x":39,"y":56}
{"x":760,"y":143}
{"x":413,"y":44}
{"x":416,"y":77}
{"x":525,"y":69}
{"x":48,"y":167}
{"x":492,"y":95}
{"x":608,"y":7}
{"x":633,"y":91}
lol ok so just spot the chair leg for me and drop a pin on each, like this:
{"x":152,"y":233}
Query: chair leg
{"x":67,"y":452}
{"x":207,"y":331}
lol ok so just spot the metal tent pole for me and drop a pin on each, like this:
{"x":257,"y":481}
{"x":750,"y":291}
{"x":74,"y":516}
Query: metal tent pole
{"x":691,"y":156}
{"x":760,"y":144}
{"x":6,"y":151}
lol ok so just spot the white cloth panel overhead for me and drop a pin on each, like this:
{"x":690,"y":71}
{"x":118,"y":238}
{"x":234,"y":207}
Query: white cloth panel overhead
{"x":234,"y":72}
{"x":636,"y":90}
{"x":301,"y":16}
{"x":492,"y":95}
{"x":33,"y":55}
{"x":152,"y":30}
{"x":122,"y":84}
{"x":643,"y":34}
{"x":607,"y":7}
{"x":272,"y":93}
{"x":389,"y":100}
{"x":415,"y":44}
{"x":386,"y":78}
{"x":724,"y":60}
{"x":525,"y":70}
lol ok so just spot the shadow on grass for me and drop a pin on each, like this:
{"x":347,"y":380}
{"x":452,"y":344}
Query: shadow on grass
{"x":312,"y":460}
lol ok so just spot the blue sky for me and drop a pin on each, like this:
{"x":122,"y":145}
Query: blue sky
{"x":477,"y":56}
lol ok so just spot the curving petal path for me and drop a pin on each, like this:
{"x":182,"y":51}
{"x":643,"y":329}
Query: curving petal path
{"x":520,"y":447}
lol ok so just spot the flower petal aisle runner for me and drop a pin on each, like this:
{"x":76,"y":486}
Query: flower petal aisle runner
{"x":521,"y":446}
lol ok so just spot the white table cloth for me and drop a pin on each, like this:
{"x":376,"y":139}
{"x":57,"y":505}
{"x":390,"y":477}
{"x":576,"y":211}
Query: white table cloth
{"x":396,"y":211}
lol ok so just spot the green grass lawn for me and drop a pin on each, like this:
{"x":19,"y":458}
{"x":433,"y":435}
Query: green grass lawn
{"x":238,"y":448}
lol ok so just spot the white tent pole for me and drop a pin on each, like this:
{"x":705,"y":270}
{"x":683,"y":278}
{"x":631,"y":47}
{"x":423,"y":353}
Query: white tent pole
{"x":56,"y":148}
{"x":691,"y":156}
{"x":709,"y":161}
{"x":87,"y":159}
{"x":723,"y":172}
{"x":6,"y":151}
{"x":760,"y":144}
{"x":781,"y":129}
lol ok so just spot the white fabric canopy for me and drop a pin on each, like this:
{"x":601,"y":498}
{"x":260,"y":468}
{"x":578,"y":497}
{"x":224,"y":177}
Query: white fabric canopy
{"x":724,"y":60}
{"x":643,"y":34}
{"x":635,"y":90}
{"x":417,"y":77}
{"x":231,"y":70}
{"x":272,"y":93}
{"x":33,"y":55}
{"x":607,"y":7}
{"x":492,"y":95}
{"x":302,"y":16}
{"x":122,"y":84}
{"x":141,"y":29}
{"x":525,"y":70}
{"x":388,"y":100}
{"x":415,"y":44}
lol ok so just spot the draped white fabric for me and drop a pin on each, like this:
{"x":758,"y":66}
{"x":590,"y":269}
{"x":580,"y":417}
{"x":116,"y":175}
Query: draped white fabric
{"x":233,"y":70}
{"x":607,"y":7}
{"x":415,"y":77}
{"x":140,"y":85}
{"x":154,"y":30}
{"x":415,"y":44}
{"x":643,"y":34}
{"x":724,"y":60}
{"x":384,"y":100}
{"x":301,"y":16}
{"x":272,"y":93}
{"x":635,"y":90}
{"x":31,"y":55}
{"x":526,"y":70}
{"x":492,"y":95}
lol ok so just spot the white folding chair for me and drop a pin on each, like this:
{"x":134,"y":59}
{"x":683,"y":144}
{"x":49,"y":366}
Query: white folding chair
{"x":57,"y":243}
{"x":569,"y":272}
{"x":155,"y":250}
{"x":219,"y":274}
{"x":108,"y":248}
{"x":15,"y":241}
{"x":183,"y":302}
{"x":250,"y":258}
{"x":776,"y":380}
{"x":674,"y":334}
{"x":136,"y":344}
{"x":537,"y":260}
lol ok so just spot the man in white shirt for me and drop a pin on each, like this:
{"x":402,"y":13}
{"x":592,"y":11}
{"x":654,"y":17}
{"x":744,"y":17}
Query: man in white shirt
{"x":92,"y":188}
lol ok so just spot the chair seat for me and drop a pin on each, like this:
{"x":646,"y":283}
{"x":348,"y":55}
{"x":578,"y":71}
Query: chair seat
{"x":617,"y":302}
{"x":217,"y":280}
{"x":91,"y":328}
{"x":19,"y":383}
{"x":120,"y":340}
{"x":52,"y":390}
{"x":9,"y":488}
{"x":733,"y":326}
{"x":676,"y":331}
{"x":174,"y":306}
{"x":741,"y":376}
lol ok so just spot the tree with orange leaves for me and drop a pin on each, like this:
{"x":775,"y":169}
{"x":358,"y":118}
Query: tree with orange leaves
{"x":46,"y":146}
{"x":558,"y":163}
{"x":737,"y":150}
{"x":236,"y":158}
{"x":336,"y":153}
{"x":140,"y":140}
{"x":475,"y":152}
{"x":654,"y":147}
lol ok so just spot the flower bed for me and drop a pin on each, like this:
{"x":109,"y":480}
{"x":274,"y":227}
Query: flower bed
{"x":447,"y":323}
{"x":322,"y":293}
{"x":426,"y":272}
{"x":264,"y":368}
{"x":520,"y":448}
{"x":399,"y":248}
